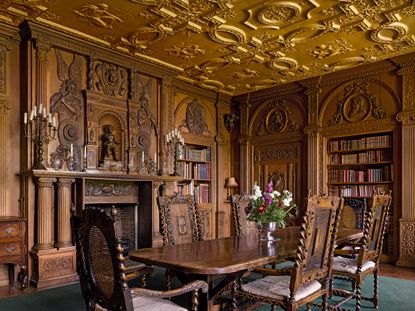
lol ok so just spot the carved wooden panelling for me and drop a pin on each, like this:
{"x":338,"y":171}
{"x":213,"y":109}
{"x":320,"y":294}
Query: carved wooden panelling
{"x":111,"y":80}
{"x":407,"y":243}
{"x":276,"y":118}
{"x":277,"y":155}
{"x":100,"y":188}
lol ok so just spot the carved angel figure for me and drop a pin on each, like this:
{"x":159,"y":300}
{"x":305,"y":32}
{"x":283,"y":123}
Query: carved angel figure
{"x":98,"y":15}
{"x":68,"y":100}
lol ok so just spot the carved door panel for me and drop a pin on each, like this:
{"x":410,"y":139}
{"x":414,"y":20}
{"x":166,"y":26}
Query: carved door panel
{"x":281,"y":165}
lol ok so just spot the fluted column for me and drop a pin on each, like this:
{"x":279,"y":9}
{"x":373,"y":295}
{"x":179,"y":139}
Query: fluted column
{"x":45,"y":224}
{"x":63,"y":211}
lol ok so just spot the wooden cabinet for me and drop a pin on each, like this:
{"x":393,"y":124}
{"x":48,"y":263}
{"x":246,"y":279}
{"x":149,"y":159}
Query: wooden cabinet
{"x":12,"y":243}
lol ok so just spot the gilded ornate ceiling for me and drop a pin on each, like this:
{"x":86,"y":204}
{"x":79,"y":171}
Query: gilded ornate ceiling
{"x":235,"y":46}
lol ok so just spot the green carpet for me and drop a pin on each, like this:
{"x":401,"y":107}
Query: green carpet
{"x":395,"y":295}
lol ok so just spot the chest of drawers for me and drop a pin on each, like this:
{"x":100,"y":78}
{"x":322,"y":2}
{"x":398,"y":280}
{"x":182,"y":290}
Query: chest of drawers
{"x":12,"y":242}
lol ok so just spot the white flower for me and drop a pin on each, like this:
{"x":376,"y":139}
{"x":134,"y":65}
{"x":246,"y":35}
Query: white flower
{"x":286,"y":202}
{"x":275,"y":193}
{"x":257,"y":191}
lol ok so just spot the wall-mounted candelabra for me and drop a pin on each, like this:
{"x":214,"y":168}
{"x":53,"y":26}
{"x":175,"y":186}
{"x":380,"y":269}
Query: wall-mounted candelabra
{"x":41,"y":128}
{"x":175,"y":142}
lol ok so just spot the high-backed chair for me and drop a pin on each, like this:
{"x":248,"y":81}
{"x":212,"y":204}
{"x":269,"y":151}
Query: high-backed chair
{"x":179,"y":218}
{"x":309,"y":278}
{"x":241,"y":225}
{"x":101,"y":269}
{"x":362,"y":258}
{"x":353,"y":213}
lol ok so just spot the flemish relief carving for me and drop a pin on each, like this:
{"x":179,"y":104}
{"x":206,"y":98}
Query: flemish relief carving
{"x":68,"y":102}
{"x":5,"y":106}
{"x":97,"y":15}
{"x":195,"y":117}
{"x":112,"y":80}
{"x":356,"y":105}
{"x":110,"y":189}
{"x":278,"y":119}
{"x":246,"y":74}
{"x":185,"y":50}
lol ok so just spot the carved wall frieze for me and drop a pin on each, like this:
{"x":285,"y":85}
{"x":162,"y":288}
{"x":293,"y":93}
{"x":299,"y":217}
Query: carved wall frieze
{"x":110,"y":189}
{"x":57,"y":264}
{"x":276,"y":155}
{"x":373,"y":125}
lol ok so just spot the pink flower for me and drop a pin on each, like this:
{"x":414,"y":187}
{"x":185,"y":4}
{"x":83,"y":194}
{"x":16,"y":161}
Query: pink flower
{"x":262,"y":209}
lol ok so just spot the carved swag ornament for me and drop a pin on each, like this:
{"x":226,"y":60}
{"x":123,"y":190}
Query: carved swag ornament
{"x":356,"y":105}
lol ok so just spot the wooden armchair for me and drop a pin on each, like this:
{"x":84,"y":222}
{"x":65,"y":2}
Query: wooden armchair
{"x":362,"y":258}
{"x":179,"y":217}
{"x":309,"y":278}
{"x":241,"y":225}
{"x":101,"y":269}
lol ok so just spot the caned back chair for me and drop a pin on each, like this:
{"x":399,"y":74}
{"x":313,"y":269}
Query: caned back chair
{"x":241,"y":225}
{"x":310,"y":275}
{"x":362,"y":258}
{"x":102,"y":273}
{"x":179,"y":217}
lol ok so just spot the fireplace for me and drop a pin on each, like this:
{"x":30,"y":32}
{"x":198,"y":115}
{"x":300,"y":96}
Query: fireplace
{"x":131,"y":198}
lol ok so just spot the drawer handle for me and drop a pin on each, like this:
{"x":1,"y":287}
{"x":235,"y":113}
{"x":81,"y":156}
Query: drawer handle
{"x":10,"y":249}
{"x":10,"y":230}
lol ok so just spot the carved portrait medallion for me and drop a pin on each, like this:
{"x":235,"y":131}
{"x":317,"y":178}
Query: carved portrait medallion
{"x":356,"y":108}
{"x":276,"y":120}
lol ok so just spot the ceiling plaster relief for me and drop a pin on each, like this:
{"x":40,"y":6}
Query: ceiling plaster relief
{"x":284,"y":41}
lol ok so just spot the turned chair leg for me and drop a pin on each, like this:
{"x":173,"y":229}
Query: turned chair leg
{"x":195,"y":300}
{"x":375,"y":292}
{"x":358,"y":296}
{"x":308,"y":307}
{"x":324,"y":303}
{"x":233,"y":293}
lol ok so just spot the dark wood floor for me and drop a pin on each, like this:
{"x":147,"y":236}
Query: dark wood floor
{"x":385,"y":270}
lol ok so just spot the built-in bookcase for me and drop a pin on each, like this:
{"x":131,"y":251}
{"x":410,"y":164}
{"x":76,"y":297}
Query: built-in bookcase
{"x":195,"y":166}
{"x":360,"y":165}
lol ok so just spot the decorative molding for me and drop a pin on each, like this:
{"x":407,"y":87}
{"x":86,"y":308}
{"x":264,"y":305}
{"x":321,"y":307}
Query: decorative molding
{"x":312,"y":130}
{"x":110,"y":189}
{"x":5,"y":105}
{"x":57,"y":264}
{"x":276,"y":155}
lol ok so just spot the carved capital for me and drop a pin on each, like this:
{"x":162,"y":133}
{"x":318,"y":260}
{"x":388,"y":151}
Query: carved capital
{"x":65,"y":182}
{"x":45,"y":182}
{"x":42,"y":52}
{"x":4,"y":106}
{"x":405,"y":70}
{"x":406,"y":118}
{"x":312,"y":130}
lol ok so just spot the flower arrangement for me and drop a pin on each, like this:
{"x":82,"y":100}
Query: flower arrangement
{"x":270,"y":206}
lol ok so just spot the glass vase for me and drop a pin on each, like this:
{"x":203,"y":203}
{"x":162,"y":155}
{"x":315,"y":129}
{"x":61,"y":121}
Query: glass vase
{"x":267,"y":231}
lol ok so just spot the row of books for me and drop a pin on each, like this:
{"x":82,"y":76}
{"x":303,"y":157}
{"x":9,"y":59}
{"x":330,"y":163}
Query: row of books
{"x":371,"y":156}
{"x":358,"y":191}
{"x":195,"y":154}
{"x":369,"y":175}
{"x":195,"y":170}
{"x":360,"y":143}
{"x":202,"y":193}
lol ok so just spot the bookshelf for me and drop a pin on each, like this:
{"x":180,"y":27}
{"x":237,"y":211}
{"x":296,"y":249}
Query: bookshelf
{"x":359,"y":165}
{"x":195,"y":166}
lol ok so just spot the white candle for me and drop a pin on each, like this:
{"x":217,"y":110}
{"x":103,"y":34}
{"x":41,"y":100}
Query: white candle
{"x":155,"y":159}
{"x":25,"y":118}
{"x":84,"y":152}
{"x":35,"y":111}
{"x":50,"y":118}
{"x":31,"y":115}
{"x":40,"y":108}
{"x":54,"y":122}
{"x":71,"y":150}
{"x":142,"y":156}
{"x":44,"y":113}
{"x":176,"y":132}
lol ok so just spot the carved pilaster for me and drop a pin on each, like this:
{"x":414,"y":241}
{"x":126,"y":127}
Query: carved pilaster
{"x":4,"y":153}
{"x":90,"y":75}
{"x":42,"y":53}
{"x":63,"y":211}
{"x":408,"y":80}
{"x":45,"y":225}
{"x":407,"y":223}
{"x":313,"y":157}
{"x":406,"y":118}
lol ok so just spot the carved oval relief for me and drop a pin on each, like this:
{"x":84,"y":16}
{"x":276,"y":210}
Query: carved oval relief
{"x":276,"y":120}
{"x":389,"y":33}
{"x":226,"y":34}
{"x":195,"y":117}
{"x":145,"y":36}
{"x":356,"y":108}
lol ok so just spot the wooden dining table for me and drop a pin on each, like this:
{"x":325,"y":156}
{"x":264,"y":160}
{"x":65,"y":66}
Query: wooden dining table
{"x":227,"y":257}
